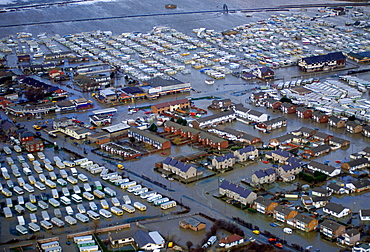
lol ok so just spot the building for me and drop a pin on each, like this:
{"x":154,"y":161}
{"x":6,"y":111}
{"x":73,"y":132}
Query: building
{"x":100,"y":120}
{"x":243,"y":195}
{"x":366,"y":131}
{"x":265,"y":73}
{"x":264,"y":205}
{"x":76,"y":132}
{"x":336,"y":210}
{"x":279,"y":155}
{"x":287,"y":172}
{"x":320,"y":192}
{"x":62,"y":122}
{"x":362,"y":247}
{"x":356,"y":164}
{"x":332,"y":229}
{"x":322,"y":137}
{"x":149,"y":241}
{"x":319,"y":150}
{"x":282,"y":140}
{"x":231,"y":241}
{"x":320,"y":117}
{"x":329,"y":170}
{"x":247,"y":153}
{"x":336,"y":122}
{"x":220,"y":104}
{"x":99,"y":138}
{"x":325,"y":62}
{"x":164,"y":85}
{"x":117,"y":130}
{"x":213,"y":120}
{"x":263,"y":176}
{"x":288,"y":108}
{"x":34,"y":145}
{"x":170,"y":106}
{"x":149,"y":138}
{"x":337,"y":142}
{"x":365,"y":214}
{"x":303,"y":112}
{"x":319,"y":202}
{"x":305,"y":132}
{"x":25,"y":136}
{"x":192,"y":223}
{"x":223,"y":162}
{"x":350,"y":237}
{"x":303,"y":222}
{"x":283,"y":213}
{"x":249,"y":114}
{"x":359,"y":185}
{"x":272,"y":103}
{"x":272,"y":124}
{"x":353,"y":127}
{"x":184,"y":171}
{"x":337,"y":189}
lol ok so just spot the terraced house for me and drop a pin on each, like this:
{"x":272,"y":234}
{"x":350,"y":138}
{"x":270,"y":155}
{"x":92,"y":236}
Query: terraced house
{"x":249,"y":114}
{"x":331,"y":229}
{"x":149,"y":138}
{"x":264,"y":205}
{"x":213,"y":120}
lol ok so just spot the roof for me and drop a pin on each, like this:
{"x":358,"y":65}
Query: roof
{"x":243,"y":192}
{"x":281,"y":153}
{"x":229,"y":130}
{"x":231,"y":239}
{"x":169,"y":123}
{"x":361,"y":183}
{"x":263,"y":201}
{"x":338,"y":140}
{"x":322,"y":167}
{"x":275,"y":120}
{"x":149,"y":135}
{"x":307,"y":130}
{"x":304,"y":218}
{"x":324,"y":58}
{"x":331,"y":225}
{"x":365,"y":212}
{"x":214,"y":116}
{"x":335,"y":119}
{"x":283,"y":209}
{"x":171,"y":103}
{"x":320,"y":199}
{"x":249,"y":137}
{"x":320,"y":190}
{"x":116,"y":127}
{"x":213,"y":138}
{"x":366,"y":150}
{"x":352,"y":232}
{"x":156,"y":237}
{"x":320,"y":148}
{"x":160,"y":81}
{"x":142,"y":238}
{"x":175,"y":163}
{"x":247,"y":149}
{"x":132,"y":90}
{"x":263,"y":173}
{"x":225,"y":157}
{"x":333,"y":207}
{"x":357,"y":162}
{"x":352,"y":124}
{"x":321,"y":135}
{"x":285,"y":138}
{"x":193,"y":221}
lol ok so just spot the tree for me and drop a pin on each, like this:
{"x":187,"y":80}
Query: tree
{"x":132,"y":139}
{"x":153,"y":127}
{"x":189,"y":244}
{"x":172,"y":119}
{"x":286,"y":99}
{"x":352,"y":118}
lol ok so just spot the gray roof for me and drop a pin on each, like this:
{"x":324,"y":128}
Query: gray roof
{"x":285,"y":137}
{"x":283,"y":209}
{"x":320,"y":190}
{"x":149,"y":135}
{"x":357,"y":162}
{"x":169,"y":123}
{"x":335,"y":119}
{"x":336,"y":208}
{"x":338,"y":140}
{"x":243,"y":192}
{"x":361,"y":183}
{"x":213,"y":138}
{"x":228,"y":130}
{"x":275,"y":120}
{"x":214,"y":116}
{"x":320,"y":148}
{"x":365,"y":212}
{"x":159,"y":81}
{"x":304,"y":218}
{"x":321,"y":135}
{"x":193,"y":221}
{"x":332,"y":225}
{"x":116,"y":127}
{"x":323,"y":167}
{"x":247,"y":149}
{"x":142,"y":238}
{"x":263,"y":201}
{"x":306,"y":130}
{"x":319,"y":199}
{"x":248,"y":137}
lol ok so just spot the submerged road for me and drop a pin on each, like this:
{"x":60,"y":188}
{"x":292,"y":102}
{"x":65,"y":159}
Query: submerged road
{"x":278,"y":8}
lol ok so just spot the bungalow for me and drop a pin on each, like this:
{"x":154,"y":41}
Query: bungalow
{"x":366,"y":152}
{"x":264,"y":205}
{"x":285,"y":139}
{"x":366,"y":131}
{"x":223,"y":162}
{"x":243,"y":195}
{"x":337,"y":189}
{"x":303,"y":112}
{"x":249,"y":114}
{"x":283,"y":213}
{"x":324,"y":62}
{"x":303,"y":222}
{"x":214,"y":119}
{"x":272,"y":103}
{"x":149,"y":241}
{"x":220,"y":104}
{"x":272,"y":124}
{"x":320,"y":192}
{"x":288,"y":108}
{"x":356,"y":164}
{"x":331,"y":229}
{"x":353,"y":127}
{"x":319,"y":117}
{"x":319,"y":150}
{"x":192,"y":223}
{"x":322,"y":137}
{"x":329,"y":170}
{"x":365,"y":214}
{"x":246,"y":153}
{"x":231,"y":241}
{"x":338,"y":142}
{"x":319,"y":202}
{"x":336,"y":122}
{"x":263,"y":176}
{"x":359,"y":185}
{"x":76,"y":132}
{"x":336,"y":210}
{"x":350,"y":237}
{"x":305,"y":132}
{"x":185,"y":171}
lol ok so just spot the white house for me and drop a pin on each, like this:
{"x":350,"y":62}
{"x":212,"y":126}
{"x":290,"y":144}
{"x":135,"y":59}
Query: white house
{"x":336,"y":210}
{"x":365,"y":214}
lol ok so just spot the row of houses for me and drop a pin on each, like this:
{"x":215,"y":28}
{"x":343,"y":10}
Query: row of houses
{"x":184,"y":171}
{"x":234,"y":135}
{"x":170,"y":106}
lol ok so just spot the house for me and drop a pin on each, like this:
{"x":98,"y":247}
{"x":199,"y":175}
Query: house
{"x":282,"y":140}
{"x":331,"y":229}
{"x":272,"y":103}
{"x":329,"y":170}
{"x":257,"y":98}
{"x":303,"y":222}
{"x":247,"y":153}
{"x":220,"y":104}
{"x":185,"y":171}
{"x":336,"y":122}
{"x":366,"y":131}
{"x":303,"y":112}
{"x":226,"y":132}
{"x":212,"y":141}
{"x":99,"y":138}
{"x":305,"y":132}
{"x":223,"y":162}
{"x":283,"y":213}
{"x":7,"y":127}
{"x":337,"y":189}
{"x":149,"y":241}
{"x":265,"y":73}
{"x":319,"y":150}
{"x":264,"y":205}
{"x":34,"y":145}
{"x":366,"y":152}
{"x":107,"y":95}
{"x":215,"y":119}
{"x":324,"y":62}
{"x":279,"y":155}
{"x":249,"y":139}
{"x":149,"y":138}
{"x":123,"y":237}
{"x":100,"y":120}
{"x":353,"y":127}
{"x":365,"y":214}
{"x":362,"y":247}
{"x":319,"y":117}
{"x":62,"y":122}
{"x":320,"y":192}
{"x":350,"y":237}
{"x":306,"y":200}
{"x":170,"y":106}
{"x":25,"y":136}
{"x":76,"y":132}
{"x":288,"y":108}
{"x":192,"y":223}
{"x":243,"y":195}
{"x":249,"y":114}
{"x":322,"y":137}
{"x":117,"y":130}
{"x":356,"y":164}
{"x":272,"y":124}
{"x":263,"y":176}
{"x":287,"y":172}
{"x":337,"y":142}
{"x":336,"y":210}
{"x":319,"y":202}
{"x":359,"y":185}
{"x":231,"y":241}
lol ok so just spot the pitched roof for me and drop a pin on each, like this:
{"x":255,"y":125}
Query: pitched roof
{"x":356,"y":162}
{"x":193,"y":221}
{"x":243,"y":192}
{"x":247,"y":149}
{"x":283,"y":209}
{"x":263,"y":201}
{"x":336,"y":208}
{"x":304,"y":218}
{"x":324,"y":58}
{"x":322,"y":167}
{"x":331,"y":225}
{"x":320,"y":148}
{"x":338,"y":140}
{"x":231,"y":239}
{"x":142,"y":238}
{"x":320,"y":190}
{"x":214,"y":116}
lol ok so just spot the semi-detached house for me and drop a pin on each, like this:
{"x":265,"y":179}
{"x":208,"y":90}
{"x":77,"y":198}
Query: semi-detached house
{"x":250,"y":114}
{"x":243,"y":195}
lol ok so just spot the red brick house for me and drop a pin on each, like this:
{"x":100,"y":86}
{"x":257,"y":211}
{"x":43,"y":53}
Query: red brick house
{"x":303,"y":112}
{"x":320,"y":117}
{"x":25,"y":136}
{"x":34,"y":145}
{"x":288,"y":108}
{"x":170,"y":106}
